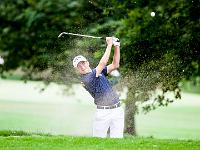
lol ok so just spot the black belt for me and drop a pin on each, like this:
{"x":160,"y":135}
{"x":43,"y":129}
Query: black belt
{"x":109,"y":107}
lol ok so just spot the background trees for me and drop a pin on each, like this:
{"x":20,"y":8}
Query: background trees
{"x":157,"y":52}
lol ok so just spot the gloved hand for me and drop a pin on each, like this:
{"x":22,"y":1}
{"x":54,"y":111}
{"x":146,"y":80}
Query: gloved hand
{"x":116,"y":41}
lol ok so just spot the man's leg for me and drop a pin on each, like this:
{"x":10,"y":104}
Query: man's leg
{"x":117,"y":123}
{"x":101,"y":123}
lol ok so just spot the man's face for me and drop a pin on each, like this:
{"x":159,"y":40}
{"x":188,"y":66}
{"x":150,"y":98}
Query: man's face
{"x":83,"y":67}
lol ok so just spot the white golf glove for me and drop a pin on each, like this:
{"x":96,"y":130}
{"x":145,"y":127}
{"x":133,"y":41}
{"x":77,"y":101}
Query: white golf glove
{"x":116,"y":41}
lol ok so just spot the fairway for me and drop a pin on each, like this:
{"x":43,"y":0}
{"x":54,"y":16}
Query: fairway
{"x":23,"y":107}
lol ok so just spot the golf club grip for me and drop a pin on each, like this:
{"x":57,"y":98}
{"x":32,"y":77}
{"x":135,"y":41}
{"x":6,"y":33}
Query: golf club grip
{"x":103,"y":38}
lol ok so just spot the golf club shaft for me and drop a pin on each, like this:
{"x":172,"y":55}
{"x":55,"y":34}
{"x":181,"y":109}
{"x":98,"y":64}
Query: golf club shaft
{"x":81,"y":35}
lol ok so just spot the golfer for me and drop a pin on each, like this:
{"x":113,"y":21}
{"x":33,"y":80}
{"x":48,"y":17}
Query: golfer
{"x":109,"y":112}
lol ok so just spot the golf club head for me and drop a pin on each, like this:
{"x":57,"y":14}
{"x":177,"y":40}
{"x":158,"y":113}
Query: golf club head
{"x":61,"y":34}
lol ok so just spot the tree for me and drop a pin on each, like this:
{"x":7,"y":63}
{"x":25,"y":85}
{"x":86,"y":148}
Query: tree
{"x":29,"y":31}
{"x":157,"y":52}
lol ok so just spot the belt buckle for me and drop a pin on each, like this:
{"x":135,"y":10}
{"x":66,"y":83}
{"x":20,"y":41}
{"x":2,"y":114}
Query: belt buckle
{"x":109,"y":107}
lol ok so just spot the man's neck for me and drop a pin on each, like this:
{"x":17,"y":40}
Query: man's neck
{"x":88,"y":71}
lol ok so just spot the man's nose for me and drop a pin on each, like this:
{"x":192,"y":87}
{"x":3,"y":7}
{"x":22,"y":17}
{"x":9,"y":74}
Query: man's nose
{"x":82,"y":66}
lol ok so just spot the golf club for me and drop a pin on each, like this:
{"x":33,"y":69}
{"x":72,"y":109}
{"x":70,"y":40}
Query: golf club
{"x":81,"y":35}
{"x":87,"y":36}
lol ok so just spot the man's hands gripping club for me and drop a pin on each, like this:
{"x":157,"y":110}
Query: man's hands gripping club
{"x":116,"y":58}
{"x":116,"y":41}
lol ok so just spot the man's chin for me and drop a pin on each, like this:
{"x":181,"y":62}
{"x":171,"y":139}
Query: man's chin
{"x":82,"y":73}
{"x":85,"y":72}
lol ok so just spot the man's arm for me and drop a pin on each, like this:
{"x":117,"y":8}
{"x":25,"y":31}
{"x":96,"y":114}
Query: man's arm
{"x":103,"y":62}
{"x":116,"y":60}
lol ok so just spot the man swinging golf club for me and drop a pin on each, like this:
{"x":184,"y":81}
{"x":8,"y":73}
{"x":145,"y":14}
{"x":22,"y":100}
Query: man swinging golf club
{"x":109,"y":113}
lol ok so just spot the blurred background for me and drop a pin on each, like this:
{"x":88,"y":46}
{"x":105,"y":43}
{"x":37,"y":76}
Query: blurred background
{"x":159,"y":82}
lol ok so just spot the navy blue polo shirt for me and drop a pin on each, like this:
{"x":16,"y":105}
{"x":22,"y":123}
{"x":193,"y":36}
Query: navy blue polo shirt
{"x":100,"y":88}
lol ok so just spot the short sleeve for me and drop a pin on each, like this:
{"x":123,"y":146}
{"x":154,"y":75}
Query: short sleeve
{"x":104,"y":71}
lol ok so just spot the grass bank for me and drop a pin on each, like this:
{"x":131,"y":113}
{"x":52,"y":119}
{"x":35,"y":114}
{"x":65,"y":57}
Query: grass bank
{"x":20,"y":140}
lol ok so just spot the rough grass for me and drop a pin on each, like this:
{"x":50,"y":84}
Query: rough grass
{"x":19,"y":140}
{"x":6,"y":133}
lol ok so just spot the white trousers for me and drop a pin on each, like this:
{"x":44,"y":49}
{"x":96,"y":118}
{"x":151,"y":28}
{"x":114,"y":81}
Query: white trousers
{"x":105,"y":118}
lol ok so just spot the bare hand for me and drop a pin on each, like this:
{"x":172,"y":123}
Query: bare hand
{"x":109,"y":41}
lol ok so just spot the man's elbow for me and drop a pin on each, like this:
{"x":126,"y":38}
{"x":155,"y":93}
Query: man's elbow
{"x":102,"y":64}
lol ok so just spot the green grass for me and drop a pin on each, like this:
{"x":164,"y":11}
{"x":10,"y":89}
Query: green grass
{"x":55,"y":118}
{"x":172,"y":122}
{"x":24,"y":108}
{"x":189,"y":87}
{"x":49,"y":142}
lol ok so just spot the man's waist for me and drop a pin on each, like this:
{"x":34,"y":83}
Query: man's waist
{"x":109,"y":107}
